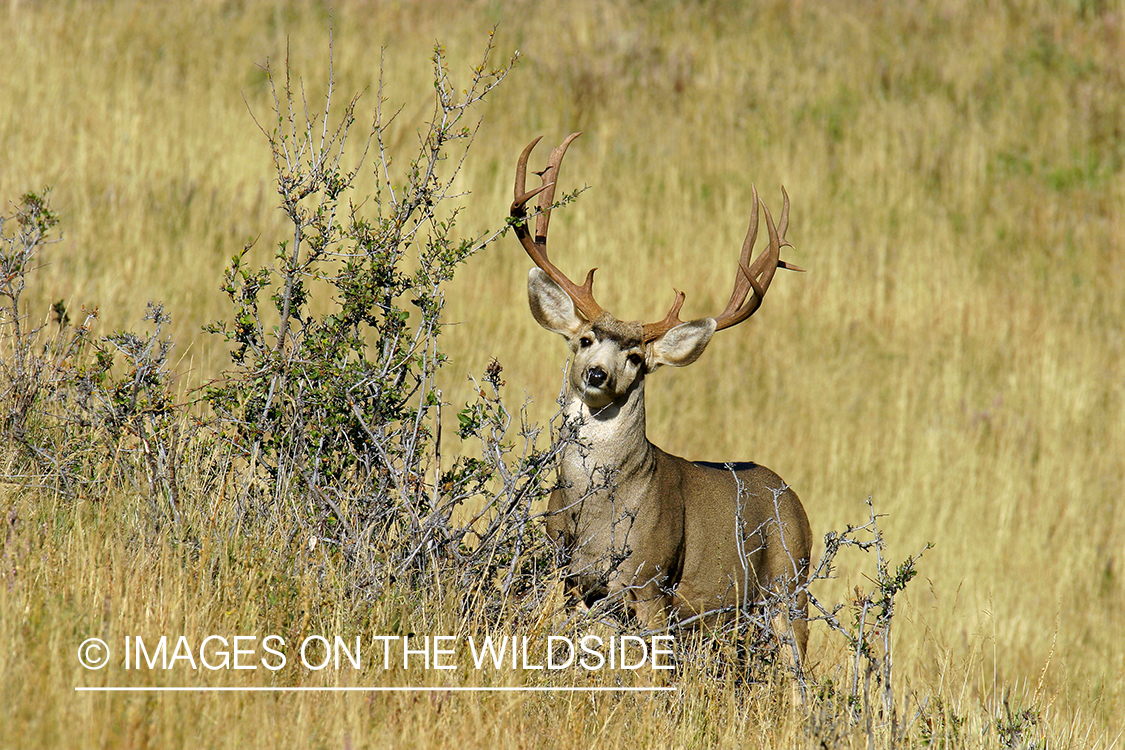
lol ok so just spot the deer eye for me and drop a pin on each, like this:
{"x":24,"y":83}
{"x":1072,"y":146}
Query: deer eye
{"x":585,"y":341}
{"x":635,"y":359}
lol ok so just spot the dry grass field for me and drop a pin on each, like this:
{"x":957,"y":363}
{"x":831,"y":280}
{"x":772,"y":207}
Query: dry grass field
{"x":956,"y":350}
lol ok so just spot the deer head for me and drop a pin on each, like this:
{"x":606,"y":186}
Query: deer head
{"x":610,"y":356}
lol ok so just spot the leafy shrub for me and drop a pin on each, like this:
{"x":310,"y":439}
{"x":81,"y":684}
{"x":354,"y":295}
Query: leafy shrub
{"x":76,"y":421}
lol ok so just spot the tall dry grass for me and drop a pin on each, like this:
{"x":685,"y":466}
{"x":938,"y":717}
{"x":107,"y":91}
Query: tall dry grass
{"x":956,"y":350}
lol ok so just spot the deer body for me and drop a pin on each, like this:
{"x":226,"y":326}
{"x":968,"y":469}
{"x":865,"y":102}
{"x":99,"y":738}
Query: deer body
{"x":672,"y":540}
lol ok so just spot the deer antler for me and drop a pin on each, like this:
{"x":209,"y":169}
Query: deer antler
{"x":753,"y":276}
{"x":583,"y":296}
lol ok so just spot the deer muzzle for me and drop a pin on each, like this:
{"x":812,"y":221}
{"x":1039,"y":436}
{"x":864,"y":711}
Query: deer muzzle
{"x":596,"y":377}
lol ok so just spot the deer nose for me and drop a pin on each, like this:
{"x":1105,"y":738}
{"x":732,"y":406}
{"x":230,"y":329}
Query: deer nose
{"x":596,"y":377}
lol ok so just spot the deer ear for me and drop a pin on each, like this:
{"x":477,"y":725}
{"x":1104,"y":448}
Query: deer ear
{"x":552,"y":307}
{"x":683,"y":344}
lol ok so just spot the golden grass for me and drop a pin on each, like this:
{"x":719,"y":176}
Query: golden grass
{"x":956,"y":350}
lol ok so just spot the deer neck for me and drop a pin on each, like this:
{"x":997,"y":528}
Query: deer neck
{"x":610,"y":439}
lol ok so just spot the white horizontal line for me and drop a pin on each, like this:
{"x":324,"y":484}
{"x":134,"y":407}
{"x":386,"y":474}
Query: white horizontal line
{"x":532,"y":689}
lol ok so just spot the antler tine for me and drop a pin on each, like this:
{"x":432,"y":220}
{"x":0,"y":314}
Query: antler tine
{"x":550,"y":179}
{"x":671,"y":320}
{"x":782,"y":227}
{"x":783,"y":224}
{"x":522,"y":196}
{"x":742,"y":281}
{"x":536,"y":248}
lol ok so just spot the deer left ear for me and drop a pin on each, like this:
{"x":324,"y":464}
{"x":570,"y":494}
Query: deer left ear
{"x":683,"y":344}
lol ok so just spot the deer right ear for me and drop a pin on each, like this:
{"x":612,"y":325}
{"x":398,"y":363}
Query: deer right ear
{"x":551,"y":306}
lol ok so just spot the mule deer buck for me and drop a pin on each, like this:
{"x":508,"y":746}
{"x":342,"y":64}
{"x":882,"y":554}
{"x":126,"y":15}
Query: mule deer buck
{"x":675,"y":541}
